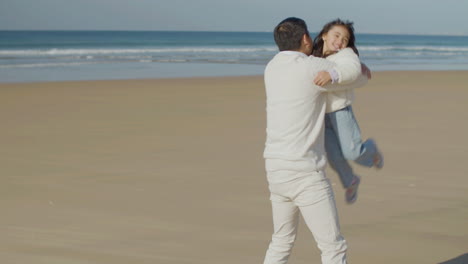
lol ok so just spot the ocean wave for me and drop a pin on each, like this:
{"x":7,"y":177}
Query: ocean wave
{"x":150,"y":53}
{"x":414,"y":48}
{"x":90,"y":52}
{"x":142,"y":60}
{"x":43,"y":65}
{"x":260,"y":55}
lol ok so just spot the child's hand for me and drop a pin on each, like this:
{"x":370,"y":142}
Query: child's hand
{"x":322,"y":78}
{"x":366,"y":71}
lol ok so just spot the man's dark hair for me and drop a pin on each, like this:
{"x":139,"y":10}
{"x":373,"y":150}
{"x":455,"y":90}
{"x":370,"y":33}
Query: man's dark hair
{"x":288,"y":33}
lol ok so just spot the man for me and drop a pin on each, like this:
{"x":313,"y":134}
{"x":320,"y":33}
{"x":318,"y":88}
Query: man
{"x":294,"y":154}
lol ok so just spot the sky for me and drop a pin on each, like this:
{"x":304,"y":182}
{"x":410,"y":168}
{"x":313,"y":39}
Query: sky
{"x":432,"y":17}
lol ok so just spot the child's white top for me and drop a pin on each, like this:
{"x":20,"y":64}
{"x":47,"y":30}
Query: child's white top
{"x":349,"y":70}
{"x":295,"y":109}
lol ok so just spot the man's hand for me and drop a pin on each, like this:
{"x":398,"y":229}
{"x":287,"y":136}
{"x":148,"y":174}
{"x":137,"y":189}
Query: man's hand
{"x":366,"y":71}
{"x":322,"y":78}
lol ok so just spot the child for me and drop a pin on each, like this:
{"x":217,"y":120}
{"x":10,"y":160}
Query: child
{"x":342,"y":134}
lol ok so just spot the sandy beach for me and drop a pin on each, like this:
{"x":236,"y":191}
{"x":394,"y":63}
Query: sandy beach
{"x":170,"y":171}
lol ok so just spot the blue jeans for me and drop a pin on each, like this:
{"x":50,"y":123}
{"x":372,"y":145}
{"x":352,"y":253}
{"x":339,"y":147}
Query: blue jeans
{"x":343,"y":142}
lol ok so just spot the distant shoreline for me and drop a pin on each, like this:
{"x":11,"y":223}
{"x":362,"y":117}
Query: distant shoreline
{"x":202,"y":77}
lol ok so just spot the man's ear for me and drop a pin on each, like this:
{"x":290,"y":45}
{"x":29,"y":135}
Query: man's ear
{"x":306,"y":40}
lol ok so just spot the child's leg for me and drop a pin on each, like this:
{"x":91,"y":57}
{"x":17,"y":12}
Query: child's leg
{"x":349,"y":135}
{"x":335,"y":156}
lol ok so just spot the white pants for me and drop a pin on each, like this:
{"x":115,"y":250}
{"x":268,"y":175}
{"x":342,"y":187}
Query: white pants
{"x":311,"y":195}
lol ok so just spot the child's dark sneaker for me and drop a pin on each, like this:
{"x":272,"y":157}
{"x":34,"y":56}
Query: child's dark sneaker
{"x":351,"y":191}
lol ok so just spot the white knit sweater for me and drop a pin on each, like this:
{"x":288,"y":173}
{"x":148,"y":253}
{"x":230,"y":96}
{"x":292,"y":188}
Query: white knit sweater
{"x":295,"y":112}
{"x":348,"y":68}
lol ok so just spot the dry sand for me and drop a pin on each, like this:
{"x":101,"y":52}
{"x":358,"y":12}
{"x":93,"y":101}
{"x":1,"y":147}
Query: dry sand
{"x":171,"y":171}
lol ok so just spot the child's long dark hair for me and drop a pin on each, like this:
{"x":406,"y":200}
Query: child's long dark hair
{"x":318,"y":41}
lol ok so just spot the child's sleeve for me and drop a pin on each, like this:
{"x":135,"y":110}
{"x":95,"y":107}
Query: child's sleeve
{"x":348,"y":66}
{"x":358,"y":83}
{"x":320,"y":64}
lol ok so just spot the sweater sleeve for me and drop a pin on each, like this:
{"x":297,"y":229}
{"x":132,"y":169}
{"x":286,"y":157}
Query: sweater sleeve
{"x":359,"y":82}
{"x":320,"y":64}
{"x":348,"y":66}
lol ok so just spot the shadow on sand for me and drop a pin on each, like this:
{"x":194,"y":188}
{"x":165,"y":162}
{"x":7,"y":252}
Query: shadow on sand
{"x":462,"y":259}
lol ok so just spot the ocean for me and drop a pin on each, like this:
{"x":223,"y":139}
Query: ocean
{"x":27,"y":56}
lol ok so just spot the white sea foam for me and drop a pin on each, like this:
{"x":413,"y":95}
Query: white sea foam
{"x":43,"y":65}
{"x":146,"y":53}
{"x":413,"y":48}
{"x":90,"y":52}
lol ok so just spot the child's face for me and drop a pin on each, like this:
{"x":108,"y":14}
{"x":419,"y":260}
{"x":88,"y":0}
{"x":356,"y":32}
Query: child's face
{"x":335,"y":39}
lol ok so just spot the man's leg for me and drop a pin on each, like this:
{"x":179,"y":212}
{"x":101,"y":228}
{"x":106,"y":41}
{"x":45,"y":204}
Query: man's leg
{"x":285,"y":222}
{"x":321,"y":218}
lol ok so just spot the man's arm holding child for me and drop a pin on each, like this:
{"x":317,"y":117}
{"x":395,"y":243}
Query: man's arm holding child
{"x":347,"y":72}
{"x":348,"y":69}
